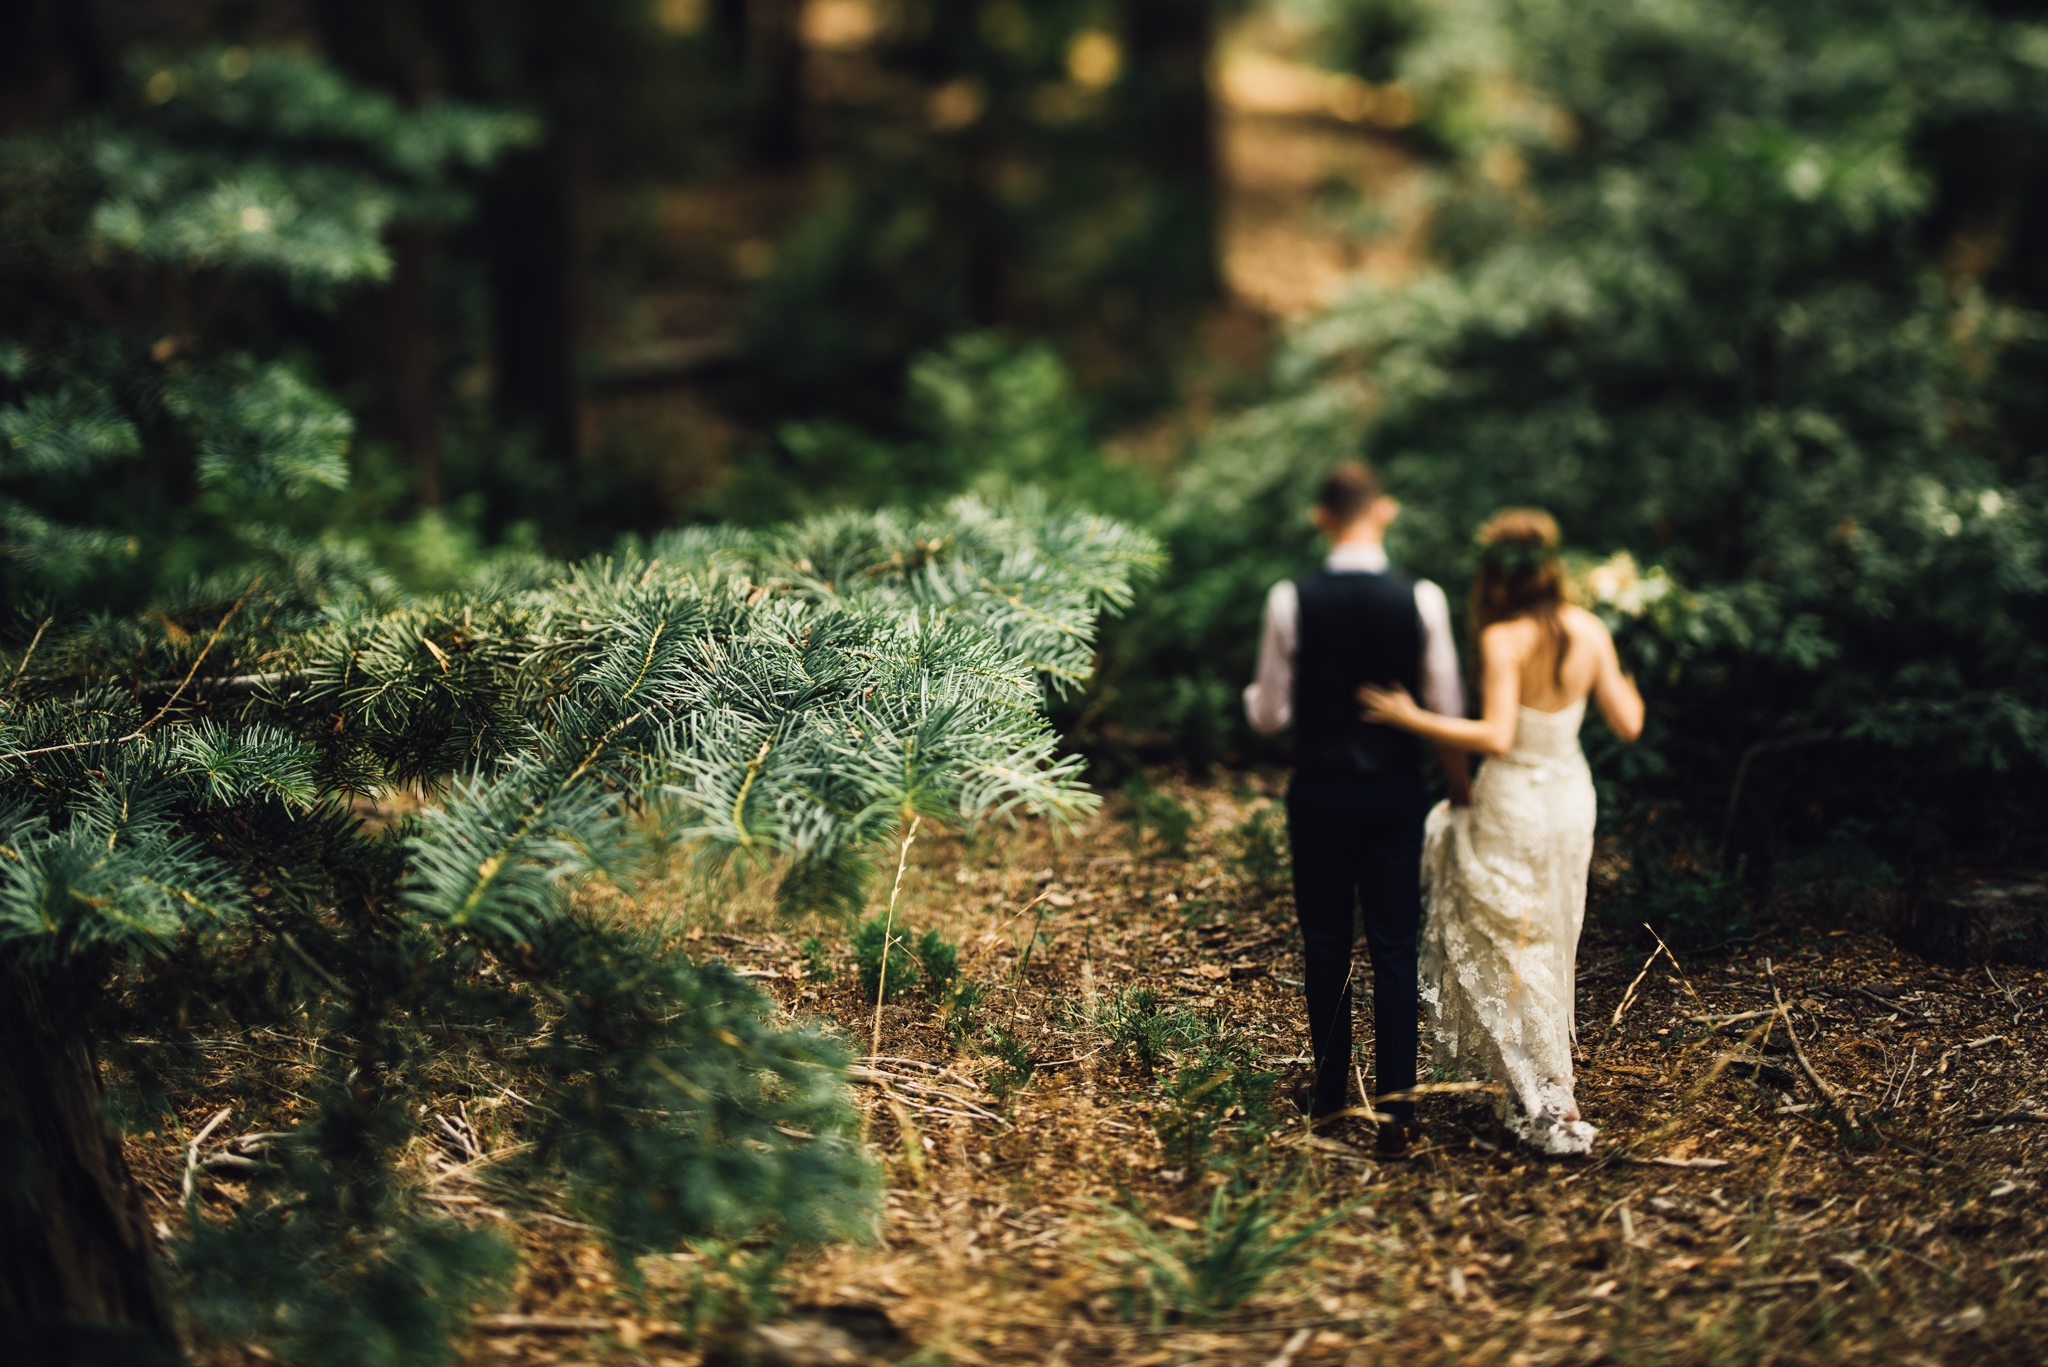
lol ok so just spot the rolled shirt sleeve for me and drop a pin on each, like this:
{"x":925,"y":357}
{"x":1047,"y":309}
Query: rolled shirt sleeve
{"x":1269,"y":699}
{"x":1442,"y":691}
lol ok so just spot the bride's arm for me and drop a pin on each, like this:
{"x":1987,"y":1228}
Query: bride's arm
{"x":1494,"y":733}
{"x":1615,"y":691}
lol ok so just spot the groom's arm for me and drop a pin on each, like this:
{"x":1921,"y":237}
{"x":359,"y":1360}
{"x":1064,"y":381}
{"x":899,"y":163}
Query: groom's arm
{"x":1269,"y":700}
{"x":1442,"y":691}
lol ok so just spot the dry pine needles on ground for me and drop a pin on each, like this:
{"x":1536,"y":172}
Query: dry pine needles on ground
{"x":1813,"y":1149}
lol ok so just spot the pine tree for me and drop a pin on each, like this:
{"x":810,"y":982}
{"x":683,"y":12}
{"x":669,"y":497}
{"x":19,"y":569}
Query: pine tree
{"x":180,"y":861}
{"x":179,"y":864}
{"x":147,"y":262}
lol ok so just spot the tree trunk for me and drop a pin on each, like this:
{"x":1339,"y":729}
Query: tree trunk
{"x":76,"y":1285}
{"x":1169,"y":44}
{"x":775,"y":79}
{"x":383,"y":43}
{"x":533,"y":290}
{"x":409,"y":309}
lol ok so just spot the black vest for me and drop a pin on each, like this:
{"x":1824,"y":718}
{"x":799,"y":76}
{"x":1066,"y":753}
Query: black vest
{"x":1354,"y":629}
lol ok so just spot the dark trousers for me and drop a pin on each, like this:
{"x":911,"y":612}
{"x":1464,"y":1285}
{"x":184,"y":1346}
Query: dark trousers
{"x":1357,"y":842}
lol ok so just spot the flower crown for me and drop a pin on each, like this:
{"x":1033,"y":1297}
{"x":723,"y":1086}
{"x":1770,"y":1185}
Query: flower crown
{"x":1515,"y":559}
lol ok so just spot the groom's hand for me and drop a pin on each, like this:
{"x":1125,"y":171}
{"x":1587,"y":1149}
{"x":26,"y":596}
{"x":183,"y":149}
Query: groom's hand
{"x":1457,"y":774}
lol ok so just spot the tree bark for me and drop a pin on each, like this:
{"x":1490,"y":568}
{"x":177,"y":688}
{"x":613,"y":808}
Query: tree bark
{"x":76,"y":1283}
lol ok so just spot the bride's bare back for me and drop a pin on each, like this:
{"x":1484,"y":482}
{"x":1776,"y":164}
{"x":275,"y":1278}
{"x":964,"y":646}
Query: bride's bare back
{"x":1519,"y":657}
{"x":1521,"y":663}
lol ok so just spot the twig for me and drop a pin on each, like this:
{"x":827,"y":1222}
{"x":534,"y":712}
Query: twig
{"x":888,"y":933}
{"x":1738,"y":1018}
{"x":239,"y":683}
{"x":1828,"y":1094}
{"x":1763,"y":747}
{"x":192,"y":1149}
{"x":309,"y":961}
{"x":1295,"y":1343}
{"x":172,"y":701}
{"x":545,"y":1324}
{"x":884,"y":1080}
{"x":15,"y":682}
{"x":140,"y":731}
{"x":2010,"y":1118}
{"x":1024,"y":959}
{"x":2011,"y":1000}
{"x":1628,"y":997}
{"x":1674,"y":964}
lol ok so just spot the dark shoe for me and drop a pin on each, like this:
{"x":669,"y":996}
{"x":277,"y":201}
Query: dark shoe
{"x":1393,"y":1139}
{"x":1304,"y":1096}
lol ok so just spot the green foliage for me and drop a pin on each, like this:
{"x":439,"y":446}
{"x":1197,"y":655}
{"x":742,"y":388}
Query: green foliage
{"x":938,"y":959}
{"x":1159,"y":815}
{"x":1259,"y":850}
{"x":272,"y":163}
{"x":817,"y":962}
{"x":1694,"y":301}
{"x":963,"y":1008}
{"x":1216,"y":1089}
{"x":1136,"y":1020}
{"x":177,"y":862}
{"x":874,"y":945}
{"x":1018,"y":189}
{"x":1682,"y":894}
{"x":1013,"y":1069}
{"x":982,"y":415}
{"x":1200,"y":1276}
{"x":220,"y":196}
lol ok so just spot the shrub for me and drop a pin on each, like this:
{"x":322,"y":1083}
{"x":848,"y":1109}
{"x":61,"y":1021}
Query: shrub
{"x":1168,"y":822}
{"x":817,"y":963}
{"x":1199,"y":1276}
{"x":1259,"y":851}
{"x":868,"y":944}
{"x":939,"y":960}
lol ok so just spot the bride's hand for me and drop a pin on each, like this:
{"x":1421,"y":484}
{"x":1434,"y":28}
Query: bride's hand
{"x":1389,"y":706}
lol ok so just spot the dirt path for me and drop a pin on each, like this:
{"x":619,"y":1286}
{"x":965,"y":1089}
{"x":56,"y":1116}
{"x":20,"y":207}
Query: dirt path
{"x":1723,"y":1217}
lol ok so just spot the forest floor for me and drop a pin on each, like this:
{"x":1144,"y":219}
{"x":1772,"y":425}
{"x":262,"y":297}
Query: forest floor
{"x":1060,"y":1189}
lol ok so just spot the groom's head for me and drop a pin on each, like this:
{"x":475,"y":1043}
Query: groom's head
{"x":1351,"y":506}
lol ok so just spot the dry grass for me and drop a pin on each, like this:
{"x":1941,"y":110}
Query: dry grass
{"x":1716,"y":1222}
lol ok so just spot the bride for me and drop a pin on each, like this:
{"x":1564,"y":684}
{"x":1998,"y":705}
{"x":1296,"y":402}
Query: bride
{"x":1504,"y":879}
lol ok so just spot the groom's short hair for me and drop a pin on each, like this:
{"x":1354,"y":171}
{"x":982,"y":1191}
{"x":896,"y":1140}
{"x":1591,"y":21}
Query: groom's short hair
{"x":1348,"y":490}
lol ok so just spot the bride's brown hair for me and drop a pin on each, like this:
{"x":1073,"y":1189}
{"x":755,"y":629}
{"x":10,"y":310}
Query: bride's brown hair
{"x":1520,"y":575}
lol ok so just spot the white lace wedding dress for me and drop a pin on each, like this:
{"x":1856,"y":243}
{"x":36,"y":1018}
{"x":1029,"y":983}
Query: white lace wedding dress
{"x":1504,"y":891}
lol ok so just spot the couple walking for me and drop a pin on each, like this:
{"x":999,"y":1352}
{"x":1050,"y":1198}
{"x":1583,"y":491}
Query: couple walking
{"x":1496,"y":874}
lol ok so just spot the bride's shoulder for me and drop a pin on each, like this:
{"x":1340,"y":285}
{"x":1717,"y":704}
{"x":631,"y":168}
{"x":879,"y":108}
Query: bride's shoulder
{"x":1513,"y":638}
{"x":1583,"y":625}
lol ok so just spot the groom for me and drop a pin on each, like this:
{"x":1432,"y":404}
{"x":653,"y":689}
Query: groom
{"x":1356,"y":804}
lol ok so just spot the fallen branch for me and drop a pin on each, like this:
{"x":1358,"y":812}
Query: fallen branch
{"x":545,"y":1324}
{"x":1828,"y":1094}
{"x":2010,"y":1118}
{"x":233,"y":686}
{"x":192,"y":1149}
{"x":1717,"y":1022}
{"x":876,"y":1078}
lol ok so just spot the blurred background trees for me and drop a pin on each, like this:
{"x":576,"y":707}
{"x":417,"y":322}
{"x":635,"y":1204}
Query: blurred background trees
{"x":312,"y":312}
{"x":1752,"y":297}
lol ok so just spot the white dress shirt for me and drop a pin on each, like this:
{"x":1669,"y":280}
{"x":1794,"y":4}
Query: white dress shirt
{"x":1269,"y":700}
